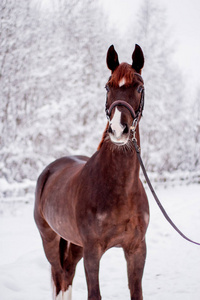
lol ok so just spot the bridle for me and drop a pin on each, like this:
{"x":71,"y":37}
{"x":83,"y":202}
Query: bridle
{"x":136,"y":117}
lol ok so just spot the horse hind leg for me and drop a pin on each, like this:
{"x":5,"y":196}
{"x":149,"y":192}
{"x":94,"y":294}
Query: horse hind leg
{"x":70,"y":255}
{"x":63,"y":257}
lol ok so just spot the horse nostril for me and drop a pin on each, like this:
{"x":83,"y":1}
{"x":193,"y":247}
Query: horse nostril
{"x":125,"y":131}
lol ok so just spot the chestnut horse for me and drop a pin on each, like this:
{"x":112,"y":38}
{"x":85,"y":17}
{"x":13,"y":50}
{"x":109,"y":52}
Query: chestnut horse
{"x":84,"y":206}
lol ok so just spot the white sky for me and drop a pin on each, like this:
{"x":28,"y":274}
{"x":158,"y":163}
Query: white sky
{"x":183,"y":17}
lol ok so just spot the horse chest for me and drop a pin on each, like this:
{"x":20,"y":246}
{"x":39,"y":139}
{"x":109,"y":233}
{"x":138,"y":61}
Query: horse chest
{"x":117,"y":232}
{"x":113,"y":227}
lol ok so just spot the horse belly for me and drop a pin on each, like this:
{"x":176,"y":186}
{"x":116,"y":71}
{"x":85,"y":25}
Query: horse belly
{"x":62,"y":221}
{"x":59,"y":201}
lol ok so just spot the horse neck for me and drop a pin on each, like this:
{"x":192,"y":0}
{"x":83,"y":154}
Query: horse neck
{"x":120,"y":163}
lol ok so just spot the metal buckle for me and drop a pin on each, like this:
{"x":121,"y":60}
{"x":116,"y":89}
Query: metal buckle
{"x":134,"y":125}
{"x":133,"y":129}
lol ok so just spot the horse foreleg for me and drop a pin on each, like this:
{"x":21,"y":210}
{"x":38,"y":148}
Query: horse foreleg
{"x":135,"y":258}
{"x":91,"y":264}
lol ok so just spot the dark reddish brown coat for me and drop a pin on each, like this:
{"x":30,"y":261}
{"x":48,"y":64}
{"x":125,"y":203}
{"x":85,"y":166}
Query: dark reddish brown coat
{"x":84,"y":206}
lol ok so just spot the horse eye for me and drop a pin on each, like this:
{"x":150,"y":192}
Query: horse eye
{"x":107,"y":88}
{"x":140,"y":89}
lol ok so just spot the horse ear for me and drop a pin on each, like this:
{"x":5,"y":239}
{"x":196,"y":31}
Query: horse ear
{"x":138,"y":59}
{"x":112,"y":59}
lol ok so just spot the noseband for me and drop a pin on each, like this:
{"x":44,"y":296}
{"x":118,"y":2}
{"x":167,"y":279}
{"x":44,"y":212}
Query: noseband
{"x":121,"y":103}
{"x":135,"y":115}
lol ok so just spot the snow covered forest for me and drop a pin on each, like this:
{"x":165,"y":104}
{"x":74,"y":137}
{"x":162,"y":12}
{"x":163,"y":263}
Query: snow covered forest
{"x":52,"y":77}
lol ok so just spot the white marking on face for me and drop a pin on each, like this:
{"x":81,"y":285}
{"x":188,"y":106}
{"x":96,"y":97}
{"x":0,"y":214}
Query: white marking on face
{"x":122,"y":82}
{"x":116,"y":125}
{"x":67,"y":295}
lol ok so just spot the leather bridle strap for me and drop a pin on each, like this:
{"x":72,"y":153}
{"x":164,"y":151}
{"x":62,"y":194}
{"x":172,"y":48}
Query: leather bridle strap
{"x":154,"y":193}
{"x":135,"y":115}
{"x":121,"y":103}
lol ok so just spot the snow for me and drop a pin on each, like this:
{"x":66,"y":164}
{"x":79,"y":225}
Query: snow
{"x":172,"y":268}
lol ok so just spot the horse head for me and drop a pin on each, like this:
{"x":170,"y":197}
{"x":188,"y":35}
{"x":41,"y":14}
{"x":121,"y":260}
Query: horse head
{"x":125,"y":95}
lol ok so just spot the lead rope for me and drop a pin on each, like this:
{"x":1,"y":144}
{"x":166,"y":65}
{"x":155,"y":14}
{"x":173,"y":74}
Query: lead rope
{"x":154,"y":193}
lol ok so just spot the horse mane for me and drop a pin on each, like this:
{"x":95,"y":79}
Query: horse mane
{"x":103,"y":137}
{"x":123,"y":71}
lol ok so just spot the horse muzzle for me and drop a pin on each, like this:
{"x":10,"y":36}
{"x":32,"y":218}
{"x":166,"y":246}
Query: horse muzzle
{"x":119,"y":131}
{"x":119,"y":134}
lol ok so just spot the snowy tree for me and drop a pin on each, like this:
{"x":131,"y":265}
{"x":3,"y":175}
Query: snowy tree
{"x":165,"y":111}
{"x":77,"y":55}
{"x":15,"y":63}
{"x":52,"y":80}
{"x":195,"y":126}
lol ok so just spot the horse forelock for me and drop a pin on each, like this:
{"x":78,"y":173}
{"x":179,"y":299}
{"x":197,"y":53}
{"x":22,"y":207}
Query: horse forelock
{"x":123,"y":75}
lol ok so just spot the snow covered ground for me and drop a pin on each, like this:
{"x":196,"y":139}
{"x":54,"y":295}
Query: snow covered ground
{"x":172,"y":268}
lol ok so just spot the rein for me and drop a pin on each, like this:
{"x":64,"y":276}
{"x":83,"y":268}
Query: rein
{"x":137,"y":148}
{"x":136,"y":116}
